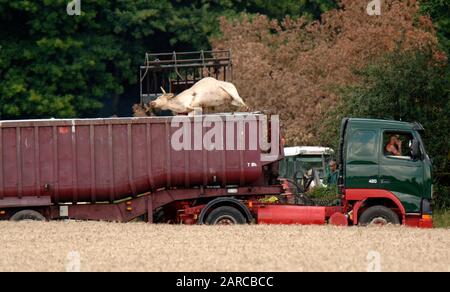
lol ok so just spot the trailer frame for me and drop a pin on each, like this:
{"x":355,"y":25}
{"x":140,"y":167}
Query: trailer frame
{"x":146,"y":204}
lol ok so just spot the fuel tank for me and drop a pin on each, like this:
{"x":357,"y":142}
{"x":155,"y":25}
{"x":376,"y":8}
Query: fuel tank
{"x":290,"y":214}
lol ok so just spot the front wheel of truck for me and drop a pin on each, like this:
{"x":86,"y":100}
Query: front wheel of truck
{"x":378,"y":216}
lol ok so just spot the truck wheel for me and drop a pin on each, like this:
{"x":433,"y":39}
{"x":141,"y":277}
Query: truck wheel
{"x":27,"y":215}
{"x":225,"y":216}
{"x":378,"y":215}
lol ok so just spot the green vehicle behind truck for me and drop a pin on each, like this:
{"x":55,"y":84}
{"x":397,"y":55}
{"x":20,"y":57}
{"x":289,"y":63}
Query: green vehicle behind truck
{"x":303,"y":162}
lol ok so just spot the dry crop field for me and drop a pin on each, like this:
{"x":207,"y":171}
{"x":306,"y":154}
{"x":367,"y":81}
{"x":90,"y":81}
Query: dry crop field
{"x":93,"y":246}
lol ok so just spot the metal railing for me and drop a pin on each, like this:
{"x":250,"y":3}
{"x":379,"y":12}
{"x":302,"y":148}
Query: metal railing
{"x":178,"y":71}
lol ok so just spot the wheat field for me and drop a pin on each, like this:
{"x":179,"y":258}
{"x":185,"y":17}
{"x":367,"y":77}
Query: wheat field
{"x":94,"y":246}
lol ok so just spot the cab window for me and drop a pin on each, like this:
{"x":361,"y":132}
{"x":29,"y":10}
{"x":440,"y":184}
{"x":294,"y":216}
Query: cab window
{"x":363,"y":145}
{"x":397,"y":145}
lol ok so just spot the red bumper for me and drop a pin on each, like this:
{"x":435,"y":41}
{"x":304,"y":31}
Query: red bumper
{"x":419,"y":221}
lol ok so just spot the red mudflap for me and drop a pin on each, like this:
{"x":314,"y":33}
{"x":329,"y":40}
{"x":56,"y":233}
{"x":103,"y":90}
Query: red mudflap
{"x":338,"y":219}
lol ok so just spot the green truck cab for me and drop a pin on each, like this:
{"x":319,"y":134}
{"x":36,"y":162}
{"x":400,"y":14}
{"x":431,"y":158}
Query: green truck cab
{"x":385,"y":173}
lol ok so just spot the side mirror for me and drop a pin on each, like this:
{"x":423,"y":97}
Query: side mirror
{"x":415,"y":149}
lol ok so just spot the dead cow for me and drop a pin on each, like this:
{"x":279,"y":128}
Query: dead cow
{"x":208,"y":92}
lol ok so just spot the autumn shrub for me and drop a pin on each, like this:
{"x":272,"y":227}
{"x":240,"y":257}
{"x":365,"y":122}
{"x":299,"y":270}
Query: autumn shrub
{"x":295,"y":67}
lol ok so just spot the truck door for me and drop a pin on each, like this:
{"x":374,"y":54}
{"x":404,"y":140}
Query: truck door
{"x":399,"y":172}
{"x":361,"y":170}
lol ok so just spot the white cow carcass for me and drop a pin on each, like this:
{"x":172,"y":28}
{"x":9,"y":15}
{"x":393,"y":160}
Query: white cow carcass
{"x":208,"y":92}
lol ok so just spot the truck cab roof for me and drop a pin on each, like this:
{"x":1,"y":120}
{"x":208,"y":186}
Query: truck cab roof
{"x":379,"y":123}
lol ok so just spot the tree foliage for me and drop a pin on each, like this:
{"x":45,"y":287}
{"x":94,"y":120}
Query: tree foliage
{"x":52,"y":64}
{"x":439,"y":11}
{"x":293,"y":67}
{"x":197,"y":20}
{"x":409,"y":86}
{"x":55,"y":65}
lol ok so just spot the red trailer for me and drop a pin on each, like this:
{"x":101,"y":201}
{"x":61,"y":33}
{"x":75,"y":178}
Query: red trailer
{"x":122,"y":169}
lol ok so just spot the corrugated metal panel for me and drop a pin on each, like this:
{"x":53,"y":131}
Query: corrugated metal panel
{"x":109,"y":159}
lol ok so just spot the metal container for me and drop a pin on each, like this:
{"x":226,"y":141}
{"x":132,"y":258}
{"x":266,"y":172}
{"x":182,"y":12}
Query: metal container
{"x":104,"y":160}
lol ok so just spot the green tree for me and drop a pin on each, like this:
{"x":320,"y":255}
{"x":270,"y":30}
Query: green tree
{"x":439,"y":11}
{"x":196,"y":21}
{"x":293,"y":8}
{"x":55,"y":65}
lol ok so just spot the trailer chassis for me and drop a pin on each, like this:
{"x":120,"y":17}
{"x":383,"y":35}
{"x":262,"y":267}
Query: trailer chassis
{"x":146,"y":204}
{"x":191,"y":206}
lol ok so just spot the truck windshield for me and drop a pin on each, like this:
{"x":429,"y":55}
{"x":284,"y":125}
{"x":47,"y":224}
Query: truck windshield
{"x":298,"y":165}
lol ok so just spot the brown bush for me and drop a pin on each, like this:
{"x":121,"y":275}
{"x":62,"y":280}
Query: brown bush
{"x":294,"y":67}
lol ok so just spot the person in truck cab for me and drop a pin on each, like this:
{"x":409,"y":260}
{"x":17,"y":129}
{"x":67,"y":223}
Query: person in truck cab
{"x":394,"y":146}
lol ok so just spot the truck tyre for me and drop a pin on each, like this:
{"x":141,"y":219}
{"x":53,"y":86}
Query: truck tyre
{"x":225,"y":216}
{"x":378,"y":215}
{"x":27,"y":215}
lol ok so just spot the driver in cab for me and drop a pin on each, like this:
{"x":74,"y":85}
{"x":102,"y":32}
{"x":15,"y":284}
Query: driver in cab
{"x":394,"y":146}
